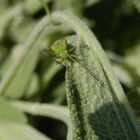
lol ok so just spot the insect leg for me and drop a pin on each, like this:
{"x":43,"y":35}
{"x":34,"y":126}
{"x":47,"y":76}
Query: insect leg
{"x":94,"y":76}
{"x":59,"y":61}
{"x":72,"y":49}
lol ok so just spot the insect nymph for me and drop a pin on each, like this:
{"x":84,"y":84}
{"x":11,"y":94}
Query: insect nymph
{"x":63,"y":53}
{"x":60,"y":50}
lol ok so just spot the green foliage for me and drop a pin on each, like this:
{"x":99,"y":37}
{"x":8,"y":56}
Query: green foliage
{"x":13,"y":124}
{"x":137,"y":4}
{"x":31,"y":82}
{"x":9,"y":113}
{"x":96,"y":111}
{"x":15,"y":131}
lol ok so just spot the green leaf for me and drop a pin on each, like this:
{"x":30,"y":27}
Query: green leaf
{"x":17,"y":131}
{"x":33,"y":86}
{"x":36,"y":5}
{"x":95,"y":110}
{"x":16,"y":85}
{"x":92,"y":2}
{"x":47,"y":110}
{"x":136,"y":4}
{"x":70,"y":6}
{"x":48,"y":74}
{"x":16,"y":78}
{"x":13,"y":126}
{"x":59,"y":94}
{"x":8,"y":17}
{"x":9,"y":114}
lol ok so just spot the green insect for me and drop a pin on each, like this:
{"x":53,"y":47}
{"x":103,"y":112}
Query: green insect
{"x":62,"y":53}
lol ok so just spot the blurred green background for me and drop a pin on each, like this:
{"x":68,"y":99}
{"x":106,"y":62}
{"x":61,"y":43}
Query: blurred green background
{"x":116,"y":24}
